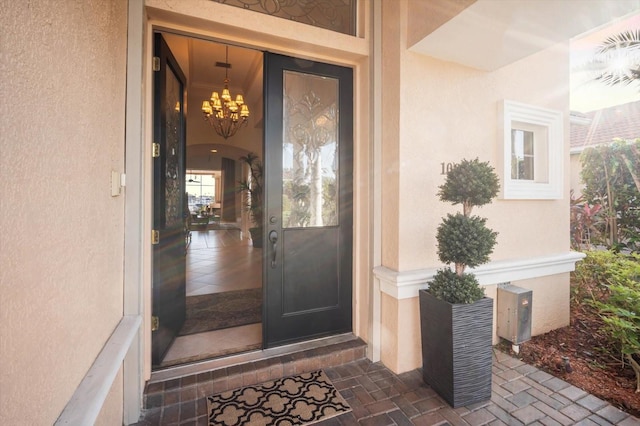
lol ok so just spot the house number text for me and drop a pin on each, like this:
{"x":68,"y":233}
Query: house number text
{"x":445,"y":168}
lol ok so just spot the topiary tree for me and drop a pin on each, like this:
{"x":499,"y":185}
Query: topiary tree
{"x":464,"y":240}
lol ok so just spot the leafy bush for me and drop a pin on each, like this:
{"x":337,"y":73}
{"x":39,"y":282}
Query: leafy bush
{"x":619,"y":304}
{"x":464,"y":239}
{"x":611,"y":174}
{"x":447,"y":285}
{"x":470,"y":183}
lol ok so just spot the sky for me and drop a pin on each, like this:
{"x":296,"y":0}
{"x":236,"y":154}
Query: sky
{"x":586,"y":94}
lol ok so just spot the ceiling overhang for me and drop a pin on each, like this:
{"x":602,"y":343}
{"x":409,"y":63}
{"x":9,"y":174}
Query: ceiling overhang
{"x":490,"y":34}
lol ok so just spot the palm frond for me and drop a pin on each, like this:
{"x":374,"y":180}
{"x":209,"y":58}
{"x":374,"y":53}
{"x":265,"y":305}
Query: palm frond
{"x":629,"y":40}
{"x":617,"y":60}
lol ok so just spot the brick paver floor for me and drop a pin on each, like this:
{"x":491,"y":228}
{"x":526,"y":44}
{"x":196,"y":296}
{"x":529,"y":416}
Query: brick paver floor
{"x":522,"y":395}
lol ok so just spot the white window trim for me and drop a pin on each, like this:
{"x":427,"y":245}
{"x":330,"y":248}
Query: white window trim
{"x":552,"y":120}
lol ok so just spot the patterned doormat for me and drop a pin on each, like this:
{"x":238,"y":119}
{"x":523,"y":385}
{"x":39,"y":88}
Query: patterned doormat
{"x":298,"y":400}
{"x":215,"y":311}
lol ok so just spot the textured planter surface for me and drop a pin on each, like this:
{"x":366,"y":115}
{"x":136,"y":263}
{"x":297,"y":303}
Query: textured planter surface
{"x":456,"y":349}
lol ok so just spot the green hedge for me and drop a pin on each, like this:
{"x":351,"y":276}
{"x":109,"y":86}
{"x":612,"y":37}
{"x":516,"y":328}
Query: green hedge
{"x":614,"y":281}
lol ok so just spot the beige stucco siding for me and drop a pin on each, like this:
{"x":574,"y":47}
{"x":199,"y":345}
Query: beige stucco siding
{"x":448,"y":112}
{"x":62,"y":109}
{"x":576,"y":180}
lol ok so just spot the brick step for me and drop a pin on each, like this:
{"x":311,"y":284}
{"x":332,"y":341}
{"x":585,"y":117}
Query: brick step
{"x":159,"y":393}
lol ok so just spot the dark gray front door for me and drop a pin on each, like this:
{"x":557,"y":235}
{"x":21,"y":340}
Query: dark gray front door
{"x":308,"y":199}
{"x":169,"y":279}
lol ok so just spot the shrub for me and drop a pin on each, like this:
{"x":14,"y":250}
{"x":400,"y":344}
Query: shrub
{"x":465,"y":239}
{"x":619,"y":305}
{"x":611,"y":174}
{"x":449,"y":286}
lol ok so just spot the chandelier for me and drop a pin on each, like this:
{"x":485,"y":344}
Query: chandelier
{"x":224,"y":114}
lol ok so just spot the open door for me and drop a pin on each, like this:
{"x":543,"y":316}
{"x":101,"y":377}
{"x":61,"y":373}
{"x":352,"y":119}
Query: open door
{"x":169,"y":203}
{"x":308,"y":199}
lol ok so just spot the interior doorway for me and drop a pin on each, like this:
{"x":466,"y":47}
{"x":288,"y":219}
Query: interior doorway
{"x":254,"y":278}
{"x":222,"y":264}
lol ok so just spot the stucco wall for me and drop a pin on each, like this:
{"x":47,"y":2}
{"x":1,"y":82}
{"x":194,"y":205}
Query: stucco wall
{"x":448,"y":112}
{"x":576,"y":180}
{"x":62,"y":132}
{"x":403,"y":351}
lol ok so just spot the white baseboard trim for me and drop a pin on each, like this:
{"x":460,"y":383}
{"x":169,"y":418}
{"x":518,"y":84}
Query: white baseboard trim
{"x":405,"y":285}
{"x":84,"y":406}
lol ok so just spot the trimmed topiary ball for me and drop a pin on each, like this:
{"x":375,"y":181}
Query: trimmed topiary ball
{"x":465,"y":240}
{"x":453,"y":288}
{"x":470,"y":183}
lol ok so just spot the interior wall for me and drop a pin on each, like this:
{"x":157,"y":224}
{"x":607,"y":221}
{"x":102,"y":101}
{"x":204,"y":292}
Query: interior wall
{"x":62,"y":134}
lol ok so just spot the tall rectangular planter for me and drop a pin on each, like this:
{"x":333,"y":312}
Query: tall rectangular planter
{"x":457,"y":349}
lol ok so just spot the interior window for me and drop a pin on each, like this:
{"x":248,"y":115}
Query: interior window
{"x":201,"y":190}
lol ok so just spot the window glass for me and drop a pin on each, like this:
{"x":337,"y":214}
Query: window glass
{"x":532,"y":160}
{"x":522,"y":155}
{"x":335,"y":15}
{"x":201,"y":190}
{"x":310,"y":151}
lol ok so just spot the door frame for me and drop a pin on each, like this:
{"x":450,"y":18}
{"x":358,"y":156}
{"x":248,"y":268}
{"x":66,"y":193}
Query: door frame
{"x":352,"y":52}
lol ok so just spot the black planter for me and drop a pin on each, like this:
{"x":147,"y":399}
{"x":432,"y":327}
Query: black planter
{"x":457,"y":349}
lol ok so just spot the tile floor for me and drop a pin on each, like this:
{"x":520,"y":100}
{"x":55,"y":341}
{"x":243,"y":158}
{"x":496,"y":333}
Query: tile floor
{"x":521,"y":395}
{"x":218,"y":261}
{"x":211,"y":344}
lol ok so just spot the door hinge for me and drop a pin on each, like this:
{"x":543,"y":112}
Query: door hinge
{"x":155,"y":237}
{"x":156,"y":63}
{"x":155,"y":323}
{"x":155,"y":150}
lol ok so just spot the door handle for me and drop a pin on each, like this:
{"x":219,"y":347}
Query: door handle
{"x":273,"y":238}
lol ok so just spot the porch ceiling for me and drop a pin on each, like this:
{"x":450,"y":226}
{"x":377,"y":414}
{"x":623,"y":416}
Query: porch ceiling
{"x":490,"y":34}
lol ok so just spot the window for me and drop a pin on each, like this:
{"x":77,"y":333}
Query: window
{"x":522,"y":157}
{"x":533,"y":152}
{"x":202,"y":190}
{"x":334,"y":15}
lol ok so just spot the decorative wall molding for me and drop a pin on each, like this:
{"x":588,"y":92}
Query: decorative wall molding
{"x":405,"y":285}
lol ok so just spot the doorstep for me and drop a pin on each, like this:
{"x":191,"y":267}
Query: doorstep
{"x":191,"y":382}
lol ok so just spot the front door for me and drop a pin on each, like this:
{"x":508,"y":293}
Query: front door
{"x":308,"y":199}
{"x":169,"y":203}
